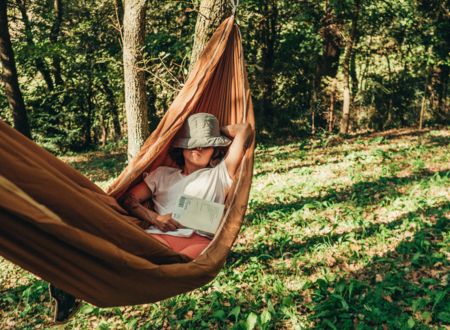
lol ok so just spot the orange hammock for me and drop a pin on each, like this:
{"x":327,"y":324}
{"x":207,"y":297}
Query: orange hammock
{"x":60,"y":226}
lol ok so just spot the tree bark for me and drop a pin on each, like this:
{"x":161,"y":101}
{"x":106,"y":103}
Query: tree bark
{"x":328,"y":63}
{"x":423,"y":105}
{"x":331,"y":108}
{"x":118,"y":7}
{"x":210,"y":14}
{"x":114,"y":109}
{"x":39,"y":62}
{"x":134,"y":75}
{"x":346,"y":70}
{"x":56,"y":28}
{"x":9,"y":76}
{"x":442,"y":90}
{"x":353,"y":77}
{"x":269,"y":36}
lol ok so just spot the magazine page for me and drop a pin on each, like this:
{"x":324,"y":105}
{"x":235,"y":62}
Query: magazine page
{"x":198,"y":214}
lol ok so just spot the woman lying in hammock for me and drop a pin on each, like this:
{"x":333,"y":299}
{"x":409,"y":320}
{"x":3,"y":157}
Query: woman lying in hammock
{"x":203,"y":174}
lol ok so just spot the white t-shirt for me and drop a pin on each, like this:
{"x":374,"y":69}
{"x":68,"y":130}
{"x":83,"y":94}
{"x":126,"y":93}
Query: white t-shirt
{"x":167,"y":184}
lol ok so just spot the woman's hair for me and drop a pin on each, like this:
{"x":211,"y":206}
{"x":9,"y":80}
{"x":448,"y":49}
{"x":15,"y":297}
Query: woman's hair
{"x":177,"y":156}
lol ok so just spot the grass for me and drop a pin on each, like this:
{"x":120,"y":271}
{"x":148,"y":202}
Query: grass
{"x":339,"y":234}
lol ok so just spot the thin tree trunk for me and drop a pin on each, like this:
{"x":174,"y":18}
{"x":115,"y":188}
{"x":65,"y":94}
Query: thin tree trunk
{"x":345,"y":107}
{"x":313,"y":106}
{"x":115,"y":116}
{"x":41,"y":66}
{"x":210,"y":14}
{"x":134,"y":75}
{"x":346,"y":70}
{"x":389,"y":108}
{"x":442,"y":72}
{"x":88,"y":123}
{"x":354,"y":78}
{"x":328,"y":63}
{"x":269,"y":35}
{"x":56,"y":28}
{"x":104,"y":130}
{"x":9,"y":76}
{"x":424,"y":101}
{"x":118,"y":7}
{"x":113,"y":107}
{"x":331,"y":109}
{"x":366,"y":67}
{"x":39,"y":63}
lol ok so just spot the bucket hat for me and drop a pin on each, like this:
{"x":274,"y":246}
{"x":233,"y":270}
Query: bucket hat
{"x":200,"y":130}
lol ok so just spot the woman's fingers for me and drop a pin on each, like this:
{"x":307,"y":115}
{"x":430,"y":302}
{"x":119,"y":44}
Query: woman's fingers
{"x":167,"y":223}
{"x":171,"y":226}
{"x":175,"y":223}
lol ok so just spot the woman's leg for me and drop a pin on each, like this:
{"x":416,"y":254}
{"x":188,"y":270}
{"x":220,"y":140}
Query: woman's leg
{"x":190,"y":246}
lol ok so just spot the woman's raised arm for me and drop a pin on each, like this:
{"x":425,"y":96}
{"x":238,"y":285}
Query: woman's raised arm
{"x":241,"y":135}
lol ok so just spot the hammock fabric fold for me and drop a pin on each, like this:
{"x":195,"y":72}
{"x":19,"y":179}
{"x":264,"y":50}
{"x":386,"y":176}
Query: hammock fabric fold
{"x":57,"y":224}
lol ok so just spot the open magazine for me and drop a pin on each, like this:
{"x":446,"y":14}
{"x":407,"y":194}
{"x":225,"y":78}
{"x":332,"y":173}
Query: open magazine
{"x":198,"y":214}
{"x":195,"y":214}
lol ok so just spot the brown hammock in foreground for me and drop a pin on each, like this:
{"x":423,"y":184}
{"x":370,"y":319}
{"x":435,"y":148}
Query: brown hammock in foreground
{"x":60,"y":226}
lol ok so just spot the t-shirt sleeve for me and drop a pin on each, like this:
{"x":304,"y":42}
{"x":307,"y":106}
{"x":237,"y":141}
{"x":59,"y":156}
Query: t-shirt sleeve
{"x":152,"y":178}
{"x":223,"y":175}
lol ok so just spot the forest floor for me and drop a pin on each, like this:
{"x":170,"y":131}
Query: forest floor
{"x":339,"y":234}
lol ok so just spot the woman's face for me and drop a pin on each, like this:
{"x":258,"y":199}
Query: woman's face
{"x":198,"y":157}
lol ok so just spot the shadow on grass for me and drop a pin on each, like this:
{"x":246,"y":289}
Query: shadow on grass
{"x":439,"y":141}
{"x":405,"y":288}
{"x":275,"y":250}
{"x":391,"y":134}
{"x":360,"y":194}
{"x":285,"y":169}
{"x":337,"y":155}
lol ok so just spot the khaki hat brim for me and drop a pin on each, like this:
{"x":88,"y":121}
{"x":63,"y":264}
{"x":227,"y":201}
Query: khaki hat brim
{"x":191,"y":143}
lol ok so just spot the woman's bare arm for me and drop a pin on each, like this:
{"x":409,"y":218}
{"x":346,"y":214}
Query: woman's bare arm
{"x":132,"y":203}
{"x":241,"y":135}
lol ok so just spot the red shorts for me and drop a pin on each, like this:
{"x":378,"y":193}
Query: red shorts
{"x":190,"y":246}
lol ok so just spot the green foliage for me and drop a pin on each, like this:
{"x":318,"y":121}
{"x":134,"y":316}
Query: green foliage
{"x":400,"y":60}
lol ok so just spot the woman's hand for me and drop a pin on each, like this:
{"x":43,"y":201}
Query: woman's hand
{"x":165,"y":222}
{"x":132,"y":203}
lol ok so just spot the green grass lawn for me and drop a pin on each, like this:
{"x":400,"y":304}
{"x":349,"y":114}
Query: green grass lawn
{"x":339,"y":234}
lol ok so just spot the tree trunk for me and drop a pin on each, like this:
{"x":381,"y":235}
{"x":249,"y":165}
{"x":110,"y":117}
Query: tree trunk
{"x":56,"y":28}
{"x":353,"y":77}
{"x":113,"y":107}
{"x":104,"y":128}
{"x":9,"y":76}
{"x":365,"y":68}
{"x":210,"y":14}
{"x":88,"y":122}
{"x":444,"y":71}
{"x":134,"y":76}
{"x":269,"y":36}
{"x":389,"y":107}
{"x":118,"y":7}
{"x":346,"y":70}
{"x":39,"y":63}
{"x":331,"y":108}
{"x":424,"y":101}
{"x":313,"y":105}
{"x":328,"y":63}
